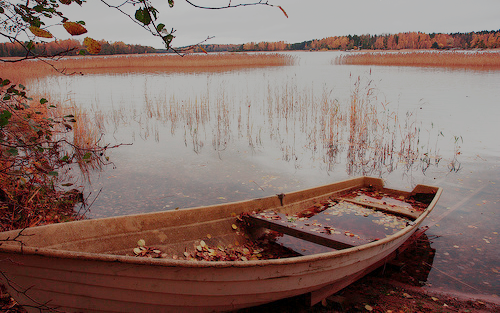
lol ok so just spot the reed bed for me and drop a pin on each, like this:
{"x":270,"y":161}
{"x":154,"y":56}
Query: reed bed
{"x":21,"y":71}
{"x":455,"y":59}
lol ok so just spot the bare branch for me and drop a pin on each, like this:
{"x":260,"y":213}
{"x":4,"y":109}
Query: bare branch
{"x":229,"y":5}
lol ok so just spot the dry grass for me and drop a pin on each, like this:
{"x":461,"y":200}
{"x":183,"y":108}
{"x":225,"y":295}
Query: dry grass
{"x":472,"y":60}
{"x":20,"y":71}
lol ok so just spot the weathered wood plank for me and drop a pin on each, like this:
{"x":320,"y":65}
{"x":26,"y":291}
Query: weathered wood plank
{"x":396,"y":210}
{"x":336,"y":239}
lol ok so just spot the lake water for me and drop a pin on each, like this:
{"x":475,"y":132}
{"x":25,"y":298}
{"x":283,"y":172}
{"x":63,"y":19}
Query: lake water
{"x":214,"y":137}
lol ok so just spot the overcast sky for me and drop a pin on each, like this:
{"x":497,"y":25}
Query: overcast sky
{"x":308,"y":19}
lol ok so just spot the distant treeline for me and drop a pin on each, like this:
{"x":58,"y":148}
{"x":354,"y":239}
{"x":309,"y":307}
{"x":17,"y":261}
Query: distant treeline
{"x":71,"y":47}
{"x":411,"y":40}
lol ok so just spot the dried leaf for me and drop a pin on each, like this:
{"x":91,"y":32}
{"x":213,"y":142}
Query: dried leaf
{"x":141,"y":242}
{"x":93,"y":46}
{"x":137,"y":251}
{"x":40,"y":32}
{"x":234,"y":226}
{"x":368,"y":307}
{"x":74,"y":28}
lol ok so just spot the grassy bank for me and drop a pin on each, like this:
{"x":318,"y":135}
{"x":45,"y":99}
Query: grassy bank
{"x":145,"y":63}
{"x":472,"y":60}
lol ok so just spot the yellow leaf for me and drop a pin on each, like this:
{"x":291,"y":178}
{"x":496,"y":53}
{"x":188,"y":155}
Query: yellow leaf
{"x":204,"y":51}
{"x":141,"y":243}
{"x":40,"y":32}
{"x":368,"y":307}
{"x":74,"y":29}
{"x":234,"y":226}
{"x":93,"y":46}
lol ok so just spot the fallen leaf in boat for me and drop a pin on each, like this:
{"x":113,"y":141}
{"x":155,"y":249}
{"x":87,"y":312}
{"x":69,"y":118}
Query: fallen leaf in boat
{"x":186,"y":254}
{"x":157,"y":251}
{"x":406,"y":295}
{"x":455,"y":246}
{"x":137,"y":251}
{"x":324,"y":303}
{"x":141,"y":243}
{"x":368,"y":307}
{"x":203,"y":244}
{"x":234,"y":226}
{"x":434,"y":298}
{"x":209,"y":236}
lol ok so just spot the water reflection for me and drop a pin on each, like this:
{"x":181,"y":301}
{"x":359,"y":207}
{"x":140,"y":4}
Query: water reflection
{"x":364,"y":133}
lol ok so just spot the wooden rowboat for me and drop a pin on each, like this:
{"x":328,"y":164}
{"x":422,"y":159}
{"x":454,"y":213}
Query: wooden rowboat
{"x":94,"y":265}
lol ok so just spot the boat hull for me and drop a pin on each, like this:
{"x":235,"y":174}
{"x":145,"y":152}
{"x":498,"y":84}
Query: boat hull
{"x":85,"y":281}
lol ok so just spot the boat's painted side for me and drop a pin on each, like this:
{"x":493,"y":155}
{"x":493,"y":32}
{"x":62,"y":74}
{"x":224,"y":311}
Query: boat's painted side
{"x":69,"y":267}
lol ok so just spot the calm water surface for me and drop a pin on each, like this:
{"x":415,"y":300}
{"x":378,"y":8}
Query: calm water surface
{"x":207,"y":138}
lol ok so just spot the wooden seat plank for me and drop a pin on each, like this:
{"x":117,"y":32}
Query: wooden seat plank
{"x":395,"y":210}
{"x":306,"y":230}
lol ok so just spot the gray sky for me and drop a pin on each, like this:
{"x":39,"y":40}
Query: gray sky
{"x":308,"y":19}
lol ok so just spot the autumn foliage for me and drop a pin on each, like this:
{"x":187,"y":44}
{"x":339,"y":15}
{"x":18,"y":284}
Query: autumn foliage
{"x":409,"y":40}
{"x":73,"y":47}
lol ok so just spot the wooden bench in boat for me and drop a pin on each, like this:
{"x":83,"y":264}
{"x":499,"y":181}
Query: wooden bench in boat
{"x":395,"y":210}
{"x":321,"y":233}
{"x":306,"y":230}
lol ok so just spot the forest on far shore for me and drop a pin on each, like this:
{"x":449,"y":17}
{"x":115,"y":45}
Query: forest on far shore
{"x":400,"y":41}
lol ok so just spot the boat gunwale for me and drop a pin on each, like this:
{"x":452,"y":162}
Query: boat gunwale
{"x":18,"y":248}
